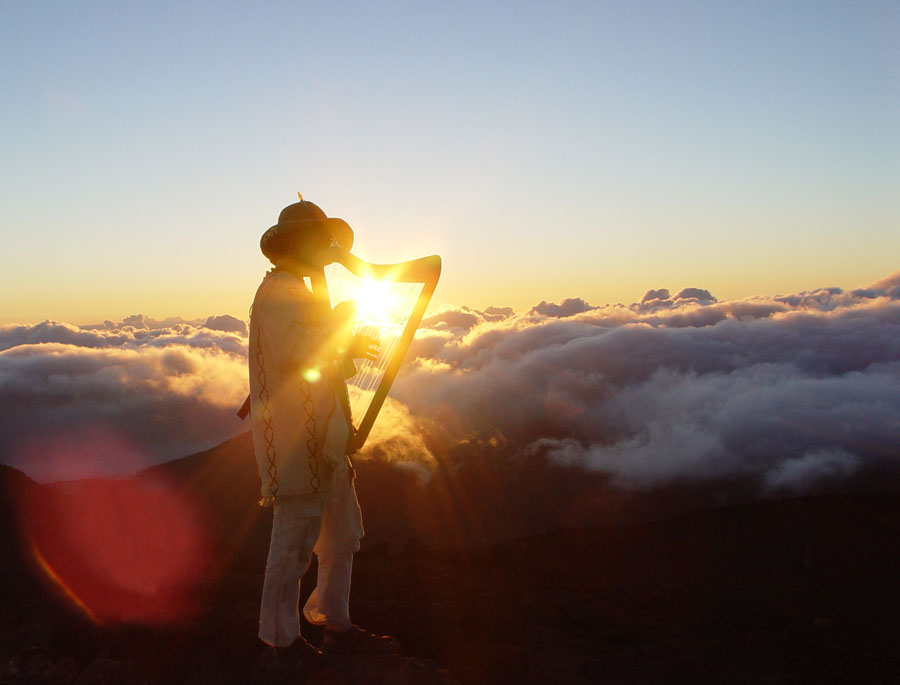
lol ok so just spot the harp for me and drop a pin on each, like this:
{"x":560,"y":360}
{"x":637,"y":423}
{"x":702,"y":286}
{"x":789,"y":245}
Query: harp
{"x":390,"y":300}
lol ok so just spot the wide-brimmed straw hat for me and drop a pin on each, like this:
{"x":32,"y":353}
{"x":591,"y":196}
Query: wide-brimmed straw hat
{"x":299,"y":222}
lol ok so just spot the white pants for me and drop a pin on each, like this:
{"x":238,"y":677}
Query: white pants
{"x":299,"y":528}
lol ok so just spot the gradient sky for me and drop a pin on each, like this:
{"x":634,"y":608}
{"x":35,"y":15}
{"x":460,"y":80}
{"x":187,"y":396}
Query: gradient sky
{"x":545,"y":150}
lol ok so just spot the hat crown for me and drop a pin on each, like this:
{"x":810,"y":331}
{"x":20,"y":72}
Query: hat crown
{"x":301,"y":211}
{"x":300,"y":222}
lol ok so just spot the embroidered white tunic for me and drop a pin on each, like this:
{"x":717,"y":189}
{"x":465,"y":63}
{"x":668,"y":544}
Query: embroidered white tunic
{"x":299,"y":428}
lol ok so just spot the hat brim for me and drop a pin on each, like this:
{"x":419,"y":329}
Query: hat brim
{"x":278,"y":241}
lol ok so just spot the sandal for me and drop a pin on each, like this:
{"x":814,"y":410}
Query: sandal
{"x":358,"y":641}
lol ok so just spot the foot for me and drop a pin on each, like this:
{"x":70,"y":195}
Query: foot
{"x":300,"y":662}
{"x":358,"y":641}
{"x":299,"y":651}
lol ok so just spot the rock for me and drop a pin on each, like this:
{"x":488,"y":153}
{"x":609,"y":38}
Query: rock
{"x":105,"y":671}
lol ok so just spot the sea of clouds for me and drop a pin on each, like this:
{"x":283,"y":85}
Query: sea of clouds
{"x":115,"y":398}
{"x":786,"y":394}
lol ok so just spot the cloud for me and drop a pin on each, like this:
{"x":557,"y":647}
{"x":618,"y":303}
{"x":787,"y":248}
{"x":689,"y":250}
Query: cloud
{"x":227,"y":323}
{"x":498,"y":313}
{"x":397,"y":439}
{"x":568,"y":307}
{"x":222,"y":335}
{"x":788,"y":393}
{"x":697,"y":295}
{"x":87,"y":402}
{"x":655,"y":295}
{"x":811,"y":470}
{"x":794,"y":393}
{"x":462,"y":319}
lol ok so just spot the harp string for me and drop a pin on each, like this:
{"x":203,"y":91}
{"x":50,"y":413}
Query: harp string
{"x":370,"y":373}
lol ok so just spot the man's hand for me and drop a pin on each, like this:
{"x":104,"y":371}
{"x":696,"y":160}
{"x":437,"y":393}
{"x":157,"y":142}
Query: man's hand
{"x":344,"y":312}
{"x":363,"y":347}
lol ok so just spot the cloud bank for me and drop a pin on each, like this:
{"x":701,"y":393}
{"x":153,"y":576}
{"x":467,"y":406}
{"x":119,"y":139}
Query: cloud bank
{"x":782,"y":394}
{"x":114,"y":399}
{"x":794,"y":393}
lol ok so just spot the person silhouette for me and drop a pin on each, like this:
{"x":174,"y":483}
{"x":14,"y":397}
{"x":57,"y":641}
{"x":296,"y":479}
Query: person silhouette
{"x":300,"y":356}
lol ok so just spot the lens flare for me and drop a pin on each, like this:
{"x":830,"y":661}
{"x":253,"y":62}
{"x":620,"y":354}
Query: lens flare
{"x":119,"y":550}
{"x":60,"y":583}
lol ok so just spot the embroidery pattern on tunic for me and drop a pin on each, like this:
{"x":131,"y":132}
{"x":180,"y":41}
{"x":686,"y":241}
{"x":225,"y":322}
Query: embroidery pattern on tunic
{"x":268,"y":430}
{"x":309,"y":407}
{"x":312,"y":442}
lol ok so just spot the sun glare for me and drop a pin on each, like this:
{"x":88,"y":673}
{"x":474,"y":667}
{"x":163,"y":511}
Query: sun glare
{"x":381,"y":310}
{"x":375,"y":304}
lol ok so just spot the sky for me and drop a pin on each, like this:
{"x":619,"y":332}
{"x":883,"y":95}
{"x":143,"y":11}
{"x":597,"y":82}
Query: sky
{"x":544,"y":150}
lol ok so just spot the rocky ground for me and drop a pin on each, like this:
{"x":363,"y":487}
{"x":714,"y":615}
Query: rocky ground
{"x":800,"y":590}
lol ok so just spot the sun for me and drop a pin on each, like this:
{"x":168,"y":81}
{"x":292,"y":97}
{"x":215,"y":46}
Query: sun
{"x":376,"y":305}
{"x":381,"y":306}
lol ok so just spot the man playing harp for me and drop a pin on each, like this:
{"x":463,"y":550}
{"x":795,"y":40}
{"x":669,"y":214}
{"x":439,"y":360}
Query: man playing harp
{"x":300,"y":354}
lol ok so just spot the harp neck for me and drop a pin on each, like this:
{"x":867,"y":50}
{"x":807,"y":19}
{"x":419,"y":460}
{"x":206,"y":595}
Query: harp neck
{"x":421,"y":270}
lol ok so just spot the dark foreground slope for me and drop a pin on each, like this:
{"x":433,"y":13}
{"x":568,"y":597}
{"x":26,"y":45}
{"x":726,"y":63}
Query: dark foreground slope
{"x":783,"y":591}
